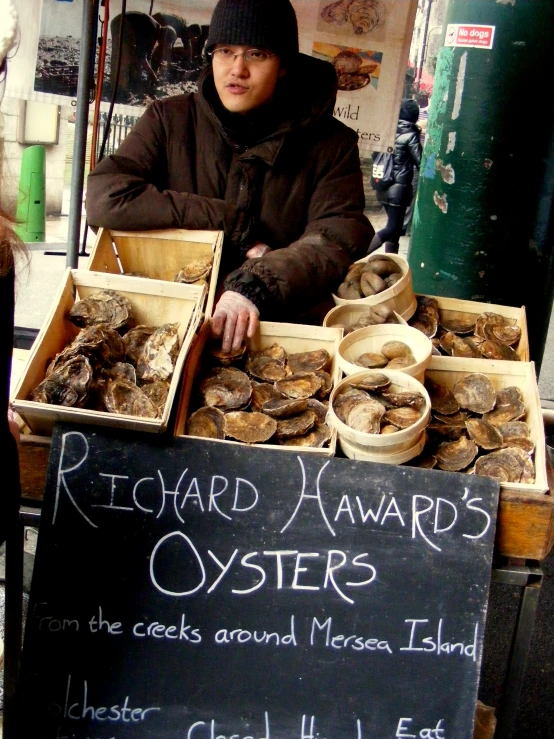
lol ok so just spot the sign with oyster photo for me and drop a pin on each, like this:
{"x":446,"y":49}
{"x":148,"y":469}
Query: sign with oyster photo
{"x":367,"y":42}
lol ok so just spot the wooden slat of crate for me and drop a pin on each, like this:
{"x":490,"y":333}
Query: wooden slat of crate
{"x":153,"y":302}
{"x":33,"y":464}
{"x":454,"y":308}
{"x":293,"y":338}
{"x":158,"y":254}
{"x":525,"y":525}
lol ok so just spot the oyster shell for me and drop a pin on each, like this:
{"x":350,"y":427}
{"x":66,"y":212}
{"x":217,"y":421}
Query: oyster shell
{"x":159,"y":354}
{"x":300,"y":385}
{"x":104,"y":306}
{"x":366,"y":416}
{"x":401,"y":362}
{"x":266,"y":368}
{"x":459,"y":324}
{"x":372,"y":360}
{"x":250,"y":428}
{"x":158,"y":392}
{"x":120,"y":370}
{"x":484,"y":434}
{"x":261,"y":393}
{"x":285,"y":407}
{"x":226,"y":388}
{"x":475,"y":392}
{"x":274,"y":351}
{"x":404,"y":398}
{"x":196,"y":270}
{"x":309,"y":361}
{"x":134,"y":341}
{"x":503,"y":465}
{"x":497,"y":350}
{"x":101,"y":344}
{"x":395,"y":349}
{"x":347,"y":400}
{"x":426,"y":324}
{"x":68,"y":386}
{"x":208,"y":422}
{"x":372,"y":381}
{"x":382,"y":265}
{"x":327,"y":383}
{"x":371,"y":283}
{"x":402,"y":418}
{"x":295,"y":425}
{"x":454,"y":456}
{"x":319,"y":408}
{"x":442,"y":400}
{"x":227,"y":358}
{"x":317,"y":437}
{"x":123,"y":396}
{"x":506,"y":412}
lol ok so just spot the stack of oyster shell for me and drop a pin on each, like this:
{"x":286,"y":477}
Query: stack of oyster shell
{"x":479,"y":430}
{"x":365,"y":279}
{"x":263,"y":396}
{"x":112,"y":364}
{"x":368,"y":404}
{"x":393,"y":355}
{"x":485,"y":336}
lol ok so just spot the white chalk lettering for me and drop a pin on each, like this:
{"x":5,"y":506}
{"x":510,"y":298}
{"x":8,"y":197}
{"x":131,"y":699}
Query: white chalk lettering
{"x":99,"y":624}
{"x":112,"y":493}
{"x":403,"y":730}
{"x":263,"y":637}
{"x":174,"y":537}
{"x":340,"y":641}
{"x":63,"y":471}
{"x":157,"y":630}
{"x":84,"y":710}
{"x":436,"y":644}
{"x":306,"y":496}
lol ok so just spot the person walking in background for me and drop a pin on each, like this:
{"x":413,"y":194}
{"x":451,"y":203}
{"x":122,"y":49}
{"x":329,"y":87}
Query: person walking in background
{"x":398,"y":196}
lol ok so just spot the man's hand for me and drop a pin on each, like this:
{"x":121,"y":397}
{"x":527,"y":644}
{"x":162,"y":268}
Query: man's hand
{"x":12,"y":423}
{"x":258,"y":250}
{"x":235,"y":316}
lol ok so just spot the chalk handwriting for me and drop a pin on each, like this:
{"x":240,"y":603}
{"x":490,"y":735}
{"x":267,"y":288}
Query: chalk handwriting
{"x":425,"y":638}
{"x":322,"y":633}
{"x":404,"y":730}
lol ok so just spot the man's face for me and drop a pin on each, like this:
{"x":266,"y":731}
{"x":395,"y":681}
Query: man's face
{"x":243,"y":86}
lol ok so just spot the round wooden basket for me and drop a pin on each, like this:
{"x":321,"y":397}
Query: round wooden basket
{"x":356,"y":451}
{"x":399,"y":298}
{"x":382,"y":443}
{"x":372,"y":338}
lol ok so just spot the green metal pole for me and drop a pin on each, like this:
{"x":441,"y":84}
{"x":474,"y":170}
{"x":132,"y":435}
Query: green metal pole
{"x":481,"y":227}
{"x":31,"y":207}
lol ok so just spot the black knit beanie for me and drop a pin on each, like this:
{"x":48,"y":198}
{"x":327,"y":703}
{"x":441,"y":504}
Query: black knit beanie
{"x":409,"y":110}
{"x":259,"y":24}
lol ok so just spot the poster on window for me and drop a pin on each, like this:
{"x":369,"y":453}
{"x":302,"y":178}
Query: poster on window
{"x":160,"y":45}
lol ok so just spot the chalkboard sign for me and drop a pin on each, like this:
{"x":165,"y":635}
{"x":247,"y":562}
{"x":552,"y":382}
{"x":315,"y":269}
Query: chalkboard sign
{"x":186,"y":589}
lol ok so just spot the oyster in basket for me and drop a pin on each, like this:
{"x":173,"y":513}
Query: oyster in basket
{"x":226,"y":388}
{"x":157,"y":391}
{"x":505,"y":466}
{"x":454,"y":456}
{"x":374,"y":381}
{"x":295,"y":425}
{"x":285,"y":407}
{"x":208,"y":422}
{"x":461,"y":323}
{"x":226,"y":359}
{"x":262,"y":392}
{"x":250,"y":428}
{"x":309,"y":361}
{"x":475,"y":392}
{"x":372,"y":360}
{"x":123,"y":396}
{"x":104,"y":306}
{"x":199,"y":269}
{"x":317,"y":437}
{"x":266,"y":368}
{"x":517,"y":433}
{"x":402,"y":418}
{"x":100,"y":344}
{"x":442,"y":399}
{"x":134,"y":341}
{"x":497,"y":350}
{"x":69,"y":385}
{"x":300,"y":385}
{"x":366,"y":416}
{"x":484,"y":434}
{"x":159,"y":354}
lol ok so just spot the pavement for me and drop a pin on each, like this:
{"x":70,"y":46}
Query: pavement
{"x":37,"y":287}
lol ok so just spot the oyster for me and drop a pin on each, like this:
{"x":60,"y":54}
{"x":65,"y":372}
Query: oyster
{"x":250,"y":428}
{"x":196,"y":270}
{"x":123,"y":396}
{"x":300,"y":385}
{"x":261,"y":393}
{"x":104,"y":306}
{"x":68,"y":386}
{"x":317,"y":437}
{"x":401,"y":362}
{"x":266,"y":368}
{"x":475,"y":392}
{"x":517,"y":433}
{"x":134,"y":341}
{"x":320,"y":409}
{"x":309,"y":361}
{"x":327,"y":383}
{"x":442,"y":400}
{"x":463,"y":323}
{"x":285,"y":407}
{"x":454,"y":456}
{"x":395,"y":349}
{"x":295,"y":425}
{"x":347,"y":400}
{"x":502,"y":465}
{"x":382,"y":265}
{"x":402,"y":418}
{"x":426,"y":324}
{"x":484,"y":434}
{"x":274,"y":351}
{"x":372,"y":360}
{"x":366,"y":416}
{"x":226,"y":388}
{"x":208,"y":422}
{"x":371,"y":284}
{"x":497,"y":350}
{"x":159,"y":353}
{"x":101,"y":344}
{"x":371,"y":381}
{"x":227,"y":358}
{"x":506,"y":412}
{"x":404,"y":398}
{"x":120,"y":370}
{"x":158,"y":392}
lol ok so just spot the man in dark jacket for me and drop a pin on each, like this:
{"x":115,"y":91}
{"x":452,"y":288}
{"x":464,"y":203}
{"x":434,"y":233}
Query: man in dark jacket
{"x":397,"y":197}
{"x":255,"y":152}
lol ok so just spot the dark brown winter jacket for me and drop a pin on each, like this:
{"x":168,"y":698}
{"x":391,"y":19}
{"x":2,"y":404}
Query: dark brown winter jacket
{"x":287,"y":176}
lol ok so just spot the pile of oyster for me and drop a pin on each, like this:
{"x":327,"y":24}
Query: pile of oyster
{"x":488,"y":335}
{"x":263,"y":396}
{"x":479,"y":430}
{"x":371,"y":404}
{"x":393,"y":355}
{"x":365,"y":279}
{"x":112,"y":364}
{"x":375,"y":315}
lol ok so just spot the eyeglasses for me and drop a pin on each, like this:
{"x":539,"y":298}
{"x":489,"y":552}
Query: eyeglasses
{"x":227,"y":56}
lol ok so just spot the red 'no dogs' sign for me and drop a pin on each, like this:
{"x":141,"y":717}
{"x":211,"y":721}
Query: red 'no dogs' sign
{"x":459,"y":34}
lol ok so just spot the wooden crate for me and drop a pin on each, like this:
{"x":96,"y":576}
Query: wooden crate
{"x":154,"y":302}
{"x":293,"y":338}
{"x":453,"y":308}
{"x":157,"y":254}
{"x":525,"y":525}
